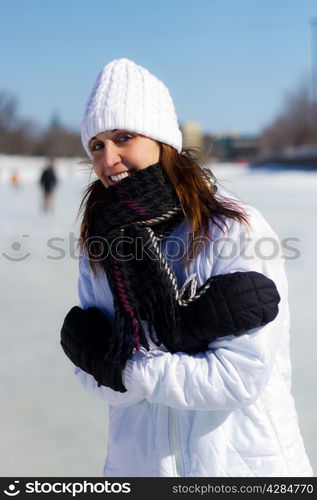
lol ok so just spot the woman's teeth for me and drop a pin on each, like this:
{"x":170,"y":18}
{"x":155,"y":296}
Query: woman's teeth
{"x":117,"y":178}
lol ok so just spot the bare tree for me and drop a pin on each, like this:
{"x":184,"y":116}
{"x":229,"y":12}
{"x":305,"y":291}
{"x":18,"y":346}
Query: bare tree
{"x":295,"y":126}
{"x":17,"y":136}
{"x":8,"y":111}
{"x":59,"y":141}
{"x":23,"y":137}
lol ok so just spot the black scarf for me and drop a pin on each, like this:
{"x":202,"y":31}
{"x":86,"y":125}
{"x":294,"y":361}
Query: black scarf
{"x":128,"y":224}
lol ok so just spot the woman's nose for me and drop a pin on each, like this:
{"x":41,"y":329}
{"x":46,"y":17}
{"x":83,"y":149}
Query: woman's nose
{"x":111,"y":155}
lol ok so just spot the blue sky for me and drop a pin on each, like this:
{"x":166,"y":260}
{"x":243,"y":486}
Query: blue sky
{"x":227,"y":63}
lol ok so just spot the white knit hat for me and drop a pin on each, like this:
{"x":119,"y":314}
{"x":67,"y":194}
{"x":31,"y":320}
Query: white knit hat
{"x":127,"y":96}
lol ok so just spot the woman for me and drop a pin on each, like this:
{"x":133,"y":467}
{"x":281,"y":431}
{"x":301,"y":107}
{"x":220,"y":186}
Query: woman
{"x":189,"y":349}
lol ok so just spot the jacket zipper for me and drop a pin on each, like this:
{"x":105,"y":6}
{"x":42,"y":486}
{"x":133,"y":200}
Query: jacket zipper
{"x":173,"y":442}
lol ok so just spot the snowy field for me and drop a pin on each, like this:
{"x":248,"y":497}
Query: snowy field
{"x":50,"y":426}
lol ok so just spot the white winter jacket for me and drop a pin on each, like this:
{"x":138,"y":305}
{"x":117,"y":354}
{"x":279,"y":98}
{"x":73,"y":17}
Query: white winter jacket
{"x":224,"y":412}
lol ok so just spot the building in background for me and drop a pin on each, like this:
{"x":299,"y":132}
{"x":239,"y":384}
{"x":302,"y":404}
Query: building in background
{"x":235,"y":147}
{"x":192,"y":135}
{"x":231,"y":147}
{"x":225,"y":147}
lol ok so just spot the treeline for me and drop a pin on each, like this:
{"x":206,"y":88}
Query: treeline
{"x":294,"y":126}
{"x":23,"y":137}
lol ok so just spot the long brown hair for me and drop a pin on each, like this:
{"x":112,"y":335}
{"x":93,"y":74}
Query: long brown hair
{"x":196,"y":191}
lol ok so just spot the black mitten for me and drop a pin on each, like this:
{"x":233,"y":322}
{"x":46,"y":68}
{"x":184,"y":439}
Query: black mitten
{"x":233,"y":304}
{"x":85,"y":339}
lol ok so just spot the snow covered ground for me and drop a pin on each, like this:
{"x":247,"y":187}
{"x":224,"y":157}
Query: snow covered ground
{"x":50,"y":426}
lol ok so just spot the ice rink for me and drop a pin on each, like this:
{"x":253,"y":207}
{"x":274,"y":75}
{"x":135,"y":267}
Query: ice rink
{"x":50,"y":426}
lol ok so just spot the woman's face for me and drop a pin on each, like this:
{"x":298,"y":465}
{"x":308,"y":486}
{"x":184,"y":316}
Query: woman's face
{"x":117,"y":152}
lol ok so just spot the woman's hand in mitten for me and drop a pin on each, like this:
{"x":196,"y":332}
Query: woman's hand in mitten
{"x":85,"y":339}
{"x":231,"y":305}
{"x":84,"y":334}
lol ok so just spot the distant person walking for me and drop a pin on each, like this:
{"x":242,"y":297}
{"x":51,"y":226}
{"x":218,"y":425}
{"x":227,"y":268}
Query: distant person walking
{"x":48,"y":182}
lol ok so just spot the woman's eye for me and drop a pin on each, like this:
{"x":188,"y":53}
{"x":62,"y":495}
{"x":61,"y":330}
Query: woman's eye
{"x":124,"y":138}
{"x":96,"y":146}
